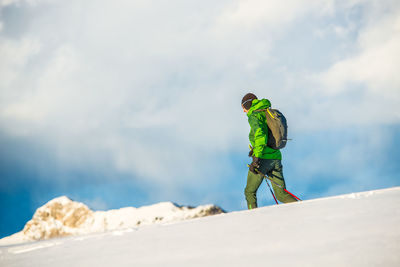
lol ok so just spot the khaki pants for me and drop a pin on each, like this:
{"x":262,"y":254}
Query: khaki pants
{"x":273,"y":168}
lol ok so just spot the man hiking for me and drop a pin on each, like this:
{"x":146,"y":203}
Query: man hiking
{"x":266,"y":160}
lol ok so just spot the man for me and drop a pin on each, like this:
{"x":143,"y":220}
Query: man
{"x":266,"y":161}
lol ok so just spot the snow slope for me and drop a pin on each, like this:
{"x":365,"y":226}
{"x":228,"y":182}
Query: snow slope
{"x":360,"y":229}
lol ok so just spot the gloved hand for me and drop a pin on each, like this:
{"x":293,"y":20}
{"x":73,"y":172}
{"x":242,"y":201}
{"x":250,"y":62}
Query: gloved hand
{"x":255,"y":164}
{"x":251,"y":151}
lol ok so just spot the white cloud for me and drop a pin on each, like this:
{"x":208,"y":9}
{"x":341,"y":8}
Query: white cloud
{"x":14,"y":58}
{"x":377,"y":61}
{"x":22,"y":2}
{"x":374,"y":68}
{"x":154,"y":87}
{"x":254,"y":14}
{"x":8,"y":2}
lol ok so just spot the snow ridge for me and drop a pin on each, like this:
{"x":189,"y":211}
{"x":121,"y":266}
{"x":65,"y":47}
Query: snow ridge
{"x":64,"y":217}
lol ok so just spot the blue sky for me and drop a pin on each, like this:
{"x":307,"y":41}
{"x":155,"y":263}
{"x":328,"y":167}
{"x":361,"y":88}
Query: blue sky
{"x":128,"y":103}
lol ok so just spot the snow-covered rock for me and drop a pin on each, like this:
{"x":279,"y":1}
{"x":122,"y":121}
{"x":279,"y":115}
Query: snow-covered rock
{"x":63,"y":217}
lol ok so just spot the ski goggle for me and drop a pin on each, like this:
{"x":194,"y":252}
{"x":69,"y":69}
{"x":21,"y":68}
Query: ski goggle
{"x":246,"y":101}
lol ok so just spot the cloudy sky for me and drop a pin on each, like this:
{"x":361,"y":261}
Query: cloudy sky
{"x":128,"y":103}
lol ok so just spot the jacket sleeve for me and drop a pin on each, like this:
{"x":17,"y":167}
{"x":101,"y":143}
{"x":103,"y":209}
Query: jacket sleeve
{"x":258,"y":138}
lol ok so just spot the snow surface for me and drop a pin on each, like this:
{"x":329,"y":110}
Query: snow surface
{"x":361,"y":229}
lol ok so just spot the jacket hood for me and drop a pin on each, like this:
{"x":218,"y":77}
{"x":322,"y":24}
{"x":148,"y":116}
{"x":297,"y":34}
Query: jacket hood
{"x":259,"y":104}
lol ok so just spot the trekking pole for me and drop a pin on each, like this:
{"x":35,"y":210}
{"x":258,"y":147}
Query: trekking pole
{"x":271,"y":192}
{"x":278,"y":185}
{"x":284,"y":189}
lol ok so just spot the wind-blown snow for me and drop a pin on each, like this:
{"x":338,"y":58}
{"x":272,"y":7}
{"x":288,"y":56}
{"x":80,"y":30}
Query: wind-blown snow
{"x":359,"y":229}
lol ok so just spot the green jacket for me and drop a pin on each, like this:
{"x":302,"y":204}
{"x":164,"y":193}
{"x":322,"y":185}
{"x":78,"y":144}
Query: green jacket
{"x":258,"y":135}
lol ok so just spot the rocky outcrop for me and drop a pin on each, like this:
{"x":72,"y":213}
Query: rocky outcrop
{"x":59,"y":217}
{"x":63,"y":217}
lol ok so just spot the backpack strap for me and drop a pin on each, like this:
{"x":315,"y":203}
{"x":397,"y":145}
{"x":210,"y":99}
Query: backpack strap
{"x":266,"y":110}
